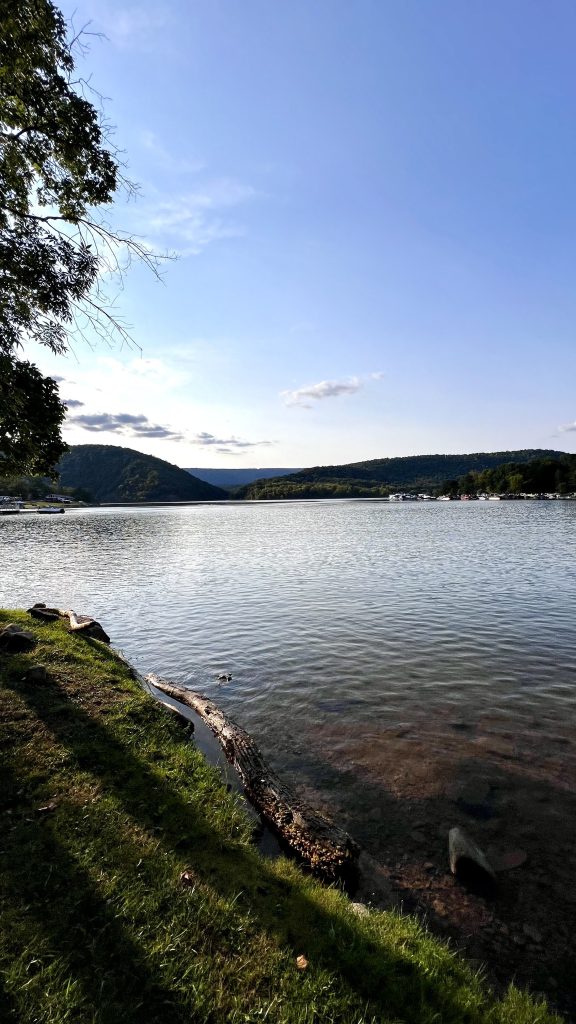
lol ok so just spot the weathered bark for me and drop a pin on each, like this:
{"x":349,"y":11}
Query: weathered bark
{"x":327,"y":849}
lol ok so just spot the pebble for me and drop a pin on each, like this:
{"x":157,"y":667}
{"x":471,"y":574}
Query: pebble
{"x":36,"y":674}
{"x":532,"y":933}
{"x":417,"y":836}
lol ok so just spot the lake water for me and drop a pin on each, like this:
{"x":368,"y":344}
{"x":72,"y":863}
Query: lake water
{"x":408,"y":667}
{"x":367,"y":642}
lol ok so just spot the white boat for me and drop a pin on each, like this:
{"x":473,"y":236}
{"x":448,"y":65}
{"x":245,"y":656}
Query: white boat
{"x":494,"y":497}
{"x":50,"y":510}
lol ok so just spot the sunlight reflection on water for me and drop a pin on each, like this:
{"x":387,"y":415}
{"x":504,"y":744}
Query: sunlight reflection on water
{"x":322,"y":610}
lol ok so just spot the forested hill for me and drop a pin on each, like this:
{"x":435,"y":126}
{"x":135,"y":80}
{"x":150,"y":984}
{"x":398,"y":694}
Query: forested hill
{"x":377,"y":477}
{"x":238,"y":477}
{"x":110,"y":473}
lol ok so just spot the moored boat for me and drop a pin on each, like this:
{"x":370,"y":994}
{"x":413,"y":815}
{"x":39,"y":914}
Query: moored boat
{"x":50,"y":510}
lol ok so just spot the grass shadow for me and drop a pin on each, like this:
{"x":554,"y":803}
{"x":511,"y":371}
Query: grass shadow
{"x":383,"y":975}
{"x":79,"y":927}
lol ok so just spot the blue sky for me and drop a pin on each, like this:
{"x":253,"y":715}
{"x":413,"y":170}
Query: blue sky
{"x":374,"y":207}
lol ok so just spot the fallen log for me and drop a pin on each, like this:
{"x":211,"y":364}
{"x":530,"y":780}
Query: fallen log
{"x":327,"y":849}
{"x":78,"y":623}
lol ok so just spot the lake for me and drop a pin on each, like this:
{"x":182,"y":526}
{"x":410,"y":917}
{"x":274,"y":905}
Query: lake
{"x":370,"y":644}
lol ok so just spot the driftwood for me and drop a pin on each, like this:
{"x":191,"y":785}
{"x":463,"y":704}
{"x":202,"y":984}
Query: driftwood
{"x":327,"y":849}
{"x":78,"y":623}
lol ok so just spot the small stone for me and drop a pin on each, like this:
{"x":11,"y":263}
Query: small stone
{"x":532,"y":933}
{"x":508,"y":859}
{"x":473,"y":799}
{"x":15,"y":640}
{"x":360,"y":909}
{"x":460,"y":726}
{"x":499,"y":745}
{"x":301,"y":963}
{"x":224,"y":677}
{"x":417,"y":836}
{"x":429,"y":865}
{"x":36,"y":674}
{"x":188,"y":878}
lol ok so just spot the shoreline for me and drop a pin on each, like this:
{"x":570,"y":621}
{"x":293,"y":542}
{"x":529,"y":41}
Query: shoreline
{"x":128,"y":801}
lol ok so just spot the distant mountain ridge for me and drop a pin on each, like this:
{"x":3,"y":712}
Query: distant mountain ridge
{"x":237,"y":477}
{"x":111,"y":473}
{"x":377,"y":477}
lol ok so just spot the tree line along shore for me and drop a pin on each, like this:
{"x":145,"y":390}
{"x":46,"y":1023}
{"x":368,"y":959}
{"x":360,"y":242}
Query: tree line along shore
{"x":94,"y":474}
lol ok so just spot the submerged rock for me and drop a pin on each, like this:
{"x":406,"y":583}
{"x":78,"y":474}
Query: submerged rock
{"x":469,"y":863}
{"x":474,"y":798}
{"x":508,"y":859}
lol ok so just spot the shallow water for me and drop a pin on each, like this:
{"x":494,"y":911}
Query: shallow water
{"x":335,"y":619}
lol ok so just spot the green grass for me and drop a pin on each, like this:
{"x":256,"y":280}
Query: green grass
{"x":96,"y":925}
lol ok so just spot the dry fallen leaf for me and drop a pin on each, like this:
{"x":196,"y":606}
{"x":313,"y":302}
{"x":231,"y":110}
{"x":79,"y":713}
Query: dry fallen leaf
{"x":47,"y":808}
{"x":301,"y":963}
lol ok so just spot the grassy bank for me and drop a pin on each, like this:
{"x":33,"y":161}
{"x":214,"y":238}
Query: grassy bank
{"x":104,"y":804}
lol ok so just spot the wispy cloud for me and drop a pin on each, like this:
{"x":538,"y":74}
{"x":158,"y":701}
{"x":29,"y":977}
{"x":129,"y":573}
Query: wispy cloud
{"x":137,"y":425}
{"x":327,"y":389}
{"x":167,"y":160}
{"x":72,"y":403}
{"x":225,"y":446}
{"x":132,"y":28}
{"x":567,"y":427}
{"x":188,"y":223}
{"x":125,"y":424}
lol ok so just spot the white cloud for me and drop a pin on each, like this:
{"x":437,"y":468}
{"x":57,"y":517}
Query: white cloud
{"x":567,"y":427}
{"x":325,"y":389}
